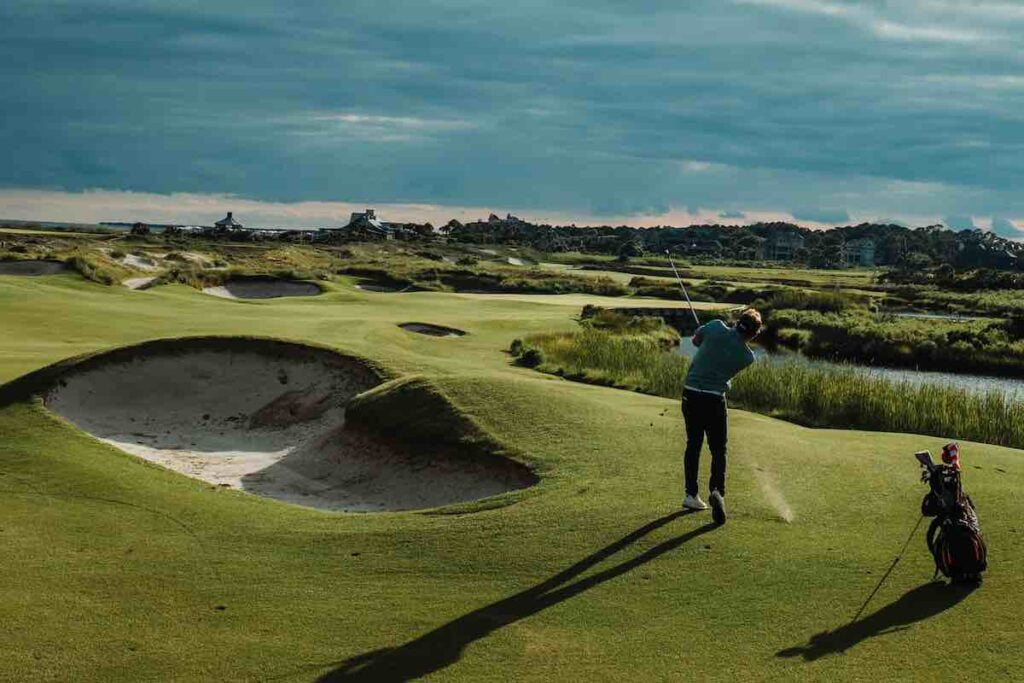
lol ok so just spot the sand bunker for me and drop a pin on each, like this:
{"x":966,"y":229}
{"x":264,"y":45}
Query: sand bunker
{"x":266,"y":417}
{"x":139,"y":262}
{"x":31,"y":267}
{"x":262,"y":288}
{"x":384,"y":286}
{"x":521,"y":261}
{"x":139,"y":282}
{"x":373,"y":287}
{"x":432,"y":330}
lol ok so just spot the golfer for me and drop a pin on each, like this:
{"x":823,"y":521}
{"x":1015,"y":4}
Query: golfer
{"x":722,"y":352}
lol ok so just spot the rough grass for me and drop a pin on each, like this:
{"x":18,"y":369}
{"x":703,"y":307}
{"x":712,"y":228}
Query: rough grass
{"x":811,"y":395}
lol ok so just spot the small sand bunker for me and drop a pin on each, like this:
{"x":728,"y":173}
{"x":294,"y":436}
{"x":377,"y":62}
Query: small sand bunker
{"x":139,"y":262}
{"x":262,"y":288}
{"x":383,"y":286}
{"x":432,"y":330}
{"x":31,"y":267}
{"x":521,"y":261}
{"x":267,"y":417}
{"x":139,"y":282}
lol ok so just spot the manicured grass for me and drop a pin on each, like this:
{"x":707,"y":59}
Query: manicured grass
{"x":118,"y":570}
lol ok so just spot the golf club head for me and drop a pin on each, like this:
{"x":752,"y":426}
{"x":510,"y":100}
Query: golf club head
{"x":925,"y":458}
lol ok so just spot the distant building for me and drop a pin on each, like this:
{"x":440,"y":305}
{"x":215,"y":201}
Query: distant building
{"x":362,"y":226}
{"x":366,"y":225}
{"x":228,"y":223}
{"x":782,"y":246}
{"x":859,"y":252}
{"x":509,"y":219}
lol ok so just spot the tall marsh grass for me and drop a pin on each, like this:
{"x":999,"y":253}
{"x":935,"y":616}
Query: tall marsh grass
{"x":839,"y":397}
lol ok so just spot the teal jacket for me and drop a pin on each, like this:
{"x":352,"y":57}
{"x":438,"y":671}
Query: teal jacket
{"x":721,"y":354}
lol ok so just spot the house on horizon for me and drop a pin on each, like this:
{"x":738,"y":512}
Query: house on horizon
{"x":859,"y":252}
{"x":361,"y":226}
{"x":366,"y":225}
{"x":228,"y":223}
{"x":782,"y":246}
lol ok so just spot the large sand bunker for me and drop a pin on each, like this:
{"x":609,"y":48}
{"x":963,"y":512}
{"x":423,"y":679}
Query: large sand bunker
{"x":263,"y":288}
{"x":31,"y":267}
{"x":268,"y":417}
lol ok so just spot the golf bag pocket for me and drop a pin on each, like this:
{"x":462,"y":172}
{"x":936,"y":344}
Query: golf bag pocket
{"x":958,"y":548}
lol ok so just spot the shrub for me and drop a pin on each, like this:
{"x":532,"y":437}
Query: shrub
{"x":531,"y":358}
{"x":796,"y":299}
{"x":794,"y":339}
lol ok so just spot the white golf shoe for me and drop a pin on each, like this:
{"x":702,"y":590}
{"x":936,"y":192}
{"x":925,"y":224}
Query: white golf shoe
{"x":717,"y":507}
{"x":694,"y":503}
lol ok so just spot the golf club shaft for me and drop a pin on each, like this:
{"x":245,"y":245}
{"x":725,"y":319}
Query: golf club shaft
{"x":683,"y":287}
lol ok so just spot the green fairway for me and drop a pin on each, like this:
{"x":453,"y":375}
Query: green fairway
{"x":118,"y":570}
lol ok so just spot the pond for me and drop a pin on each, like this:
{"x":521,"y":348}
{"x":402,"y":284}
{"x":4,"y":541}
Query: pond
{"x":979,"y":384}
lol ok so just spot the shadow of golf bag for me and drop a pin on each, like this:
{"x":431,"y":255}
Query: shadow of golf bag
{"x":954,"y":536}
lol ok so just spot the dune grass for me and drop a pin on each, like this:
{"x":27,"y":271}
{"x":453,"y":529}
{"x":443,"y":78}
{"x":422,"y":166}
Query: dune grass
{"x":818,"y":396}
{"x":118,"y":570}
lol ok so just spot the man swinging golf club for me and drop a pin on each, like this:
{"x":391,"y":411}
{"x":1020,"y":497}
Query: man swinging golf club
{"x":722,"y":352}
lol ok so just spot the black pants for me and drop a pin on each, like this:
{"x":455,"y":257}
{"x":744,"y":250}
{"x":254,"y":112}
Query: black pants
{"x":705,"y":414}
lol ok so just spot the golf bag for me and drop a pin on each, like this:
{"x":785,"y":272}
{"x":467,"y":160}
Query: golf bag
{"x":954,"y":536}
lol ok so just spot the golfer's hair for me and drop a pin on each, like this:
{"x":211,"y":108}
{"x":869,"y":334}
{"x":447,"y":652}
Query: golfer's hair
{"x":749,"y":323}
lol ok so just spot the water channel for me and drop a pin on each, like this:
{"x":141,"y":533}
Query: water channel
{"x":978,"y":384}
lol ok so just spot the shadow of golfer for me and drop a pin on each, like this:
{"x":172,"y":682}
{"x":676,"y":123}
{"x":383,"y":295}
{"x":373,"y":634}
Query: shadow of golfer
{"x":443,"y":646}
{"x":916,"y":605}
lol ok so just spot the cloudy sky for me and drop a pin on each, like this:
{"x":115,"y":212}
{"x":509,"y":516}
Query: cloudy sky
{"x":646,"y":112}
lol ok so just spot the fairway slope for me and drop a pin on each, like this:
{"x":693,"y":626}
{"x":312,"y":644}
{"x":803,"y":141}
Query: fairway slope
{"x":267,"y":417}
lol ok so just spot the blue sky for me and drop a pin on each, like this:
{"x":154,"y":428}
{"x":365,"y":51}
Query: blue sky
{"x":646,"y":112}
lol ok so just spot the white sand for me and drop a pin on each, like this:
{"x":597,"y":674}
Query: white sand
{"x":140,"y":262}
{"x":31,"y":267}
{"x":262,"y":288}
{"x":267,"y":423}
{"x":139,"y":282}
{"x":517,"y":261}
{"x":370,"y":287}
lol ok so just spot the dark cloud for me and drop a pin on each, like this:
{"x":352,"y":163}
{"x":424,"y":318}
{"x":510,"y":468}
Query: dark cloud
{"x":591,"y":106}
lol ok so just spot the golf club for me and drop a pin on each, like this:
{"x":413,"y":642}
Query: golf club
{"x":683,"y":287}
